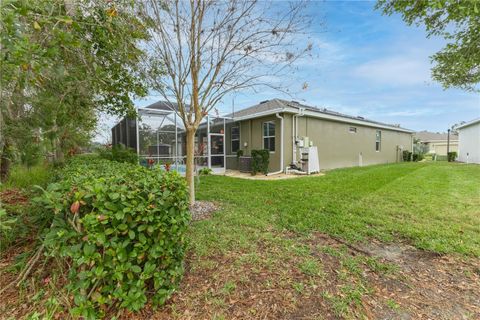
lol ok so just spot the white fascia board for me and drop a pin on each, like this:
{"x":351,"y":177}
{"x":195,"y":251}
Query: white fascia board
{"x":469,"y":123}
{"x":260,"y":114}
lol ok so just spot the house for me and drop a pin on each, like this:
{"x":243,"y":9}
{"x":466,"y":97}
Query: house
{"x":469,"y":142}
{"x":436,"y":142}
{"x":342,"y":141}
{"x":280,"y":126}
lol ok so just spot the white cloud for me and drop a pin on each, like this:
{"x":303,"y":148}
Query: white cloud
{"x":407,"y":70}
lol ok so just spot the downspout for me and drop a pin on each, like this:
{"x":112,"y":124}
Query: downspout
{"x":295,"y":134}
{"x":281,"y":146}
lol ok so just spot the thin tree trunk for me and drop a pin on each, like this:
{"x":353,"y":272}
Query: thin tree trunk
{"x":5,"y":162}
{"x":58,"y":152}
{"x":190,"y":172}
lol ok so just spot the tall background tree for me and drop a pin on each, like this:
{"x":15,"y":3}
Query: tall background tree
{"x":62,"y":62}
{"x":458,"y":63}
{"x":209,"y":49}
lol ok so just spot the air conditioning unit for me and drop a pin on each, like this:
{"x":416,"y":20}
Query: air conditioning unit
{"x":309,"y":160}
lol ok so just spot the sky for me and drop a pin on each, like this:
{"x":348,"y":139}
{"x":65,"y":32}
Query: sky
{"x":365,"y":64}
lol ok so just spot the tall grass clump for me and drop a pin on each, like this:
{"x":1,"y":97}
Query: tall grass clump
{"x":22,"y":177}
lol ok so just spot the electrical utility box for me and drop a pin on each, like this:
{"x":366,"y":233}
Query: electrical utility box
{"x":309,"y":160}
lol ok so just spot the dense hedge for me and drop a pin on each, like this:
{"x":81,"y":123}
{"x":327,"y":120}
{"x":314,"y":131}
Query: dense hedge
{"x":407,"y":155}
{"x":417,"y":157}
{"x":118,"y":153}
{"x":260,"y":161}
{"x":121,"y":228}
{"x":451,"y":156}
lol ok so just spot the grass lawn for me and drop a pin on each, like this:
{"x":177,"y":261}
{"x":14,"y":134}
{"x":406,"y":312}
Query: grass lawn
{"x":398,"y":241}
{"x":434,"y":207}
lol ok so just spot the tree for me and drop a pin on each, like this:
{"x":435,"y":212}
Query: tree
{"x":62,"y":61}
{"x":209,"y":49}
{"x":458,"y":63}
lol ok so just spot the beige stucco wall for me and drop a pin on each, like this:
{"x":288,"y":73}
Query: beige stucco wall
{"x":251,"y":132}
{"x":337,"y":147}
{"x":440,"y":147}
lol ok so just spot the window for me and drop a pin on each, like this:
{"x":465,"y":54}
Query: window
{"x":235,"y":137}
{"x":269,"y":136}
{"x":378,"y":140}
{"x":352,"y":130}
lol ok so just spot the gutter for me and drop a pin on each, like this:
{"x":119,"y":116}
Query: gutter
{"x":281,"y":146}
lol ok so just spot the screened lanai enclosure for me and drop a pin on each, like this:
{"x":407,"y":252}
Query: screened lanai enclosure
{"x":158,"y":136}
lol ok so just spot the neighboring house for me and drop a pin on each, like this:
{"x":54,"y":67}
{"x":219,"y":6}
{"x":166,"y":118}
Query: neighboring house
{"x":469,"y":142}
{"x":282,"y":127}
{"x":436,"y":142}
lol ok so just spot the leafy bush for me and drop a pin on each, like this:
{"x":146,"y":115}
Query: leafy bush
{"x":31,"y":154}
{"x":205,"y":171}
{"x":6,"y":223}
{"x":417,"y":157}
{"x":451,"y":156}
{"x":407,"y":155}
{"x":260,"y":161}
{"x":119,"y":153}
{"x":239,"y":153}
{"x":122,"y":229}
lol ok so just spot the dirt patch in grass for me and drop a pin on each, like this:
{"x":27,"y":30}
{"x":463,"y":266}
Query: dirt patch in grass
{"x":13,"y":197}
{"x":426,"y":285}
{"x":202,"y":210}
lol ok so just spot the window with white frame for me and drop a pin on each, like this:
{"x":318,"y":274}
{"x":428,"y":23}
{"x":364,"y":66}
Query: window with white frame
{"x":352,"y":129}
{"x":269,"y":136}
{"x":378,"y":140}
{"x":235,"y":138}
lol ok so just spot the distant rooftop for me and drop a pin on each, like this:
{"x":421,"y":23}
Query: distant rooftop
{"x":426,"y":136}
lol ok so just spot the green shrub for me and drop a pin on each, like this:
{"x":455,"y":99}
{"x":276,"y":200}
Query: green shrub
{"x":239,"y":153}
{"x":205,"y":171}
{"x":118,"y":153}
{"x":451,"y":156}
{"x":260,"y":161}
{"x":407,"y":155}
{"x":122,"y":229}
{"x":31,"y":154}
{"x":417,"y":157}
{"x":6,"y":223}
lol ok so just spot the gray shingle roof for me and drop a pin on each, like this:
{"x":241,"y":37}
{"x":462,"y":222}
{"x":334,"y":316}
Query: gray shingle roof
{"x":274,"y":104}
{"x":271,"y":105}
